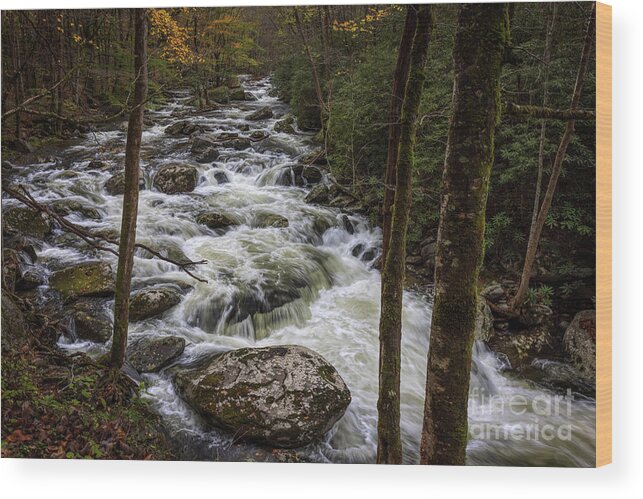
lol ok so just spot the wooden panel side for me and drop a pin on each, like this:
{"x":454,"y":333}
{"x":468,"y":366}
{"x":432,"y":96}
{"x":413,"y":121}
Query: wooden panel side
{"x":603,"y":234}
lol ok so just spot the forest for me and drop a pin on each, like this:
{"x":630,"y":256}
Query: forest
{"x":337,"y":233}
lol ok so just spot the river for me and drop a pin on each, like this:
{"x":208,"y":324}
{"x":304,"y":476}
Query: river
{"x":333,"y":296}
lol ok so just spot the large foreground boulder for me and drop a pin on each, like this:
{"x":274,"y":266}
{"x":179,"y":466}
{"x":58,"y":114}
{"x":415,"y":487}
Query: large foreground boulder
{"x":84,"y":279}
{"x":215,"y":220}
{"x":580,"y":342}
{"x":150,"y":302}
{"x":151,"y":354}
{"x":284,"y":396}
{"x":174,"y":179}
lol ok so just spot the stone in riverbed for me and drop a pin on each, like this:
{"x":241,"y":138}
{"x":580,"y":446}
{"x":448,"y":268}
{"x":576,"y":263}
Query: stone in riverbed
{"x":91,"y":321}
{"x":173,"y":179}
{"x":285,"y":125}
{"x":237,"y":94}
{"x":65,"y":207}
{"x":150,"y":354}
{"x":260,"y":114}
{"x":221,"y":177}
{"x":27,"y":222}
{"x":215,"y":220}
{"x":115,"y":185}
{"x":183,"y":128}
{"x":150,"y":302}
{"x":84,"y":279}
{"x":265,"y":220}
{"x":284,"y":396}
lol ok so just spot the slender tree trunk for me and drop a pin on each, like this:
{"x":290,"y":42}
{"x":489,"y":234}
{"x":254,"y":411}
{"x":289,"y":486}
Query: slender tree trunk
{"x":481,"y":37}
{"x":537,"y":227}
{"x":389,"y":445}
{"x":397,"y":97}
{"x":130,"y":198}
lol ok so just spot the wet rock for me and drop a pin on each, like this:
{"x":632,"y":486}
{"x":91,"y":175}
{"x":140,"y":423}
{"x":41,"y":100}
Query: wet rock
{"x":259,"y":135}
{"x":264,"y":220}
{"x":65,"y":207}
{"x":364,"y":253}
{"x":84,"y":279}
{"x":14,"y":334}
{"x":239,"y":144}
{"x":559,"y":377}
{"x":285,"y":125}
{"x":216,"y":220}
{"x":30,"y":279}
{"x":149,"y":354}
{"x":314,"y":157}
{"x":249,"y":96}
{"x":221,"y":177}
{"x":97,"y":164}
{"x":580,"y":342}
{"x":264,"y":113}
{"x":208,"y":156}
{"x":521,"y":347}
{"x":183,"y":128}
{"x":318,"y":195}
{"x":92,"y":321}
{"x":173,"y":179}
{"x":150,"y":302}
{"x":484,"y":322}
{"x":27,"y":222}
{"x":312,"y":175}
{"x":284,"y":396}
{"x":115,"y":185}
{"x":203,"y":142}
{"x":428,"y":250}
{"x":348,"y":225}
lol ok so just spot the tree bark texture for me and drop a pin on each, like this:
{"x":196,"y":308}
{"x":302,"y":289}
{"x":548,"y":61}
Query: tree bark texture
{"x":481,"y":37}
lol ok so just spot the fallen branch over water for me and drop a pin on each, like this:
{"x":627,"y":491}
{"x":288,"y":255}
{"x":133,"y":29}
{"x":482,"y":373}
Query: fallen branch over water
{"x":21,"y":194}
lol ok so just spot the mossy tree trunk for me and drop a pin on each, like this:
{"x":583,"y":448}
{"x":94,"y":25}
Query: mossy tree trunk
{"x":400,"y":78}
{"x":130,"y":198}
{"x":389,"y":446}
{"x":539,"y":222}
{"x":481,"y":37}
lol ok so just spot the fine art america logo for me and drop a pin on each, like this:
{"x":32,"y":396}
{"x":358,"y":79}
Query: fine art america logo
{"x":545,"y":417}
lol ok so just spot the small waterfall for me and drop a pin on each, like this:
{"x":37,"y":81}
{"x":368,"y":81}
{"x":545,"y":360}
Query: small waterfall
{"x":309,"y":282}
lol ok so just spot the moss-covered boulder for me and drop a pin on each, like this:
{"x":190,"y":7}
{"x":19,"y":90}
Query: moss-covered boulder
{"x":580,"y":342}
{"x":84,"y":279}
{"x":115,"y":185}
{"x":522,"y":347}
{"x":92,"y":320}
{"x":263,"y":113}
{"x":151,"y":354}
{"x":174,"y":179}
{"x":215,"y":220}
{"x":284,"y":396}
{"x":150,"y":302}
{"x":318,"y":195}
{"x":237,"y":93}
{"x":27,"y":222}
{"x":265,"y":220}
{"x":285,"y":125}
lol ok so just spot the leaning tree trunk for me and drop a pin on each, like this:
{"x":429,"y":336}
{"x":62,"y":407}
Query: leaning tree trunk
{"x":389,"y":445}
{"x":481,"y":37}
{"x":397,"y":97}
{"x":130,"y":198}
{"x":539,"y":224}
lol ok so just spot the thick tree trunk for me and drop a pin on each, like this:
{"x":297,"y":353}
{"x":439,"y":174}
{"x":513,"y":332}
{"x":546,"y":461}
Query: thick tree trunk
{"x":481,"y":37}
{"x":400,"y":78}
{"x":130,"y":198}
{"x":537,"y":228}
{"x":389,"y":445}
